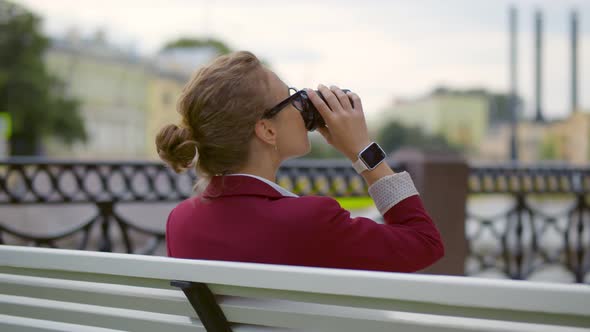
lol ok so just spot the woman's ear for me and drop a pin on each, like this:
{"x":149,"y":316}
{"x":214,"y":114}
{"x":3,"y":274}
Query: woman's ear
{"x":266,"y":131}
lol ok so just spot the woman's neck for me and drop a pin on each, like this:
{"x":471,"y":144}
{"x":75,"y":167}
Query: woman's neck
{"x":264,"y":165}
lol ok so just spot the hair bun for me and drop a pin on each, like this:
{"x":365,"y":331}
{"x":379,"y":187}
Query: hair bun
{"x":176,"y":146}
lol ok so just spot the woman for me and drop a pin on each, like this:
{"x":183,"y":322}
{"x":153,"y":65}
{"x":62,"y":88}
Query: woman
{"x":240,"y":118}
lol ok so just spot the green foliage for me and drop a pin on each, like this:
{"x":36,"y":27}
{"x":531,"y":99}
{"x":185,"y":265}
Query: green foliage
{"x":355,"y":203}
{"x":322,"y":150}
{"x":34,"y":99}
{"x":548,"y":149}
{"x":218,"y":45}
{"x":394,"y":136}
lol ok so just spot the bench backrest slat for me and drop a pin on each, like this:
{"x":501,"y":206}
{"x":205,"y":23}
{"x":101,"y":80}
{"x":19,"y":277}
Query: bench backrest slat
{"x":287,"y":313}
{"x":100,"y":294}
{"x":448,"y":290}
{"x":100,"y":316}
{"x":86,"y":276}
{"x":181,"y":304}
{"x":407,"y":306}
{"x":22,"y":324}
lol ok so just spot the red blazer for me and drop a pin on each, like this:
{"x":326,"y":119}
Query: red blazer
{"x":246,"y":220}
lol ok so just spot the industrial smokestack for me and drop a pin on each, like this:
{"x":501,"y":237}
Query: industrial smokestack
{"x":513,"y":82}
{"x":574,"y":68}
{"x":538,"y":65}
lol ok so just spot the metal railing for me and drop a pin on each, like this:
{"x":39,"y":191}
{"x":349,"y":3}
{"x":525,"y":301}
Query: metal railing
{"x":110,"y":185}
{"x":519,"y":219}
{"x":539,"y":217}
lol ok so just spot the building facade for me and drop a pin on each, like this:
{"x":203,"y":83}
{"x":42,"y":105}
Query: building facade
{"x":569,"y":139}
{"x":164,"y":90}
{"x":125,"y":99}
{"x":170,"y":70}
{"x":112,"y":88}
{"x":565,"y":140}
{"x":468,"y":120}
{"x":461,"y":119}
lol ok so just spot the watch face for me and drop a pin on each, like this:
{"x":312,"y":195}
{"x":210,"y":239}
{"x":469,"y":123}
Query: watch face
{"x":372,"y":155}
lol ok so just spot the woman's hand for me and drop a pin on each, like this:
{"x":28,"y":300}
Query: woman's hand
{"x":346,"y":128}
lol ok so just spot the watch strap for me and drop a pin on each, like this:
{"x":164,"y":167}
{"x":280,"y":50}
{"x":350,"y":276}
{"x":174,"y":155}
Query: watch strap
{"x":359,"y":166}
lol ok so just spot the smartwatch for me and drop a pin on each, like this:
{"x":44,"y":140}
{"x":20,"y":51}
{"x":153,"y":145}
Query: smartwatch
{"x":369,"y":158}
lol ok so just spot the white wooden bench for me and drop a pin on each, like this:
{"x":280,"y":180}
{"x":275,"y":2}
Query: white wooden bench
{"x":67,"y":290}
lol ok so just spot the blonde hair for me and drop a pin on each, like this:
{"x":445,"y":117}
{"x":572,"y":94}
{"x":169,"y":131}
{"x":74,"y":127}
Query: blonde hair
{"x":219,"y":107}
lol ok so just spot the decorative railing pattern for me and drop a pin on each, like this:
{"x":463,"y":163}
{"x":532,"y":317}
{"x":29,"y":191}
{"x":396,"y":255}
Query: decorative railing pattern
{"x":545,"y":220}
{"x":108,"y":185}
{"x":538,"y":216}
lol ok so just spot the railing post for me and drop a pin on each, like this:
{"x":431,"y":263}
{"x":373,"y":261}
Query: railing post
{"x":106,"y":211}
{"x":441,"y":179}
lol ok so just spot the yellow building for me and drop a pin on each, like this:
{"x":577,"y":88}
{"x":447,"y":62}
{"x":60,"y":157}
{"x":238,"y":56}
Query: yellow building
{"x":461,"y":118}
{"x":170,"y":71}
{"x":531,"y":137}
{"x":566,"y":140}
{"x":163,"y":92}
{"x":495,"y":146}
{"x":124,"y":99}
{"x":569,"y":139}
{"x":111,"y":85}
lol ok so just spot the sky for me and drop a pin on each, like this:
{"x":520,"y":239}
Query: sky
{"x":383,"y":50}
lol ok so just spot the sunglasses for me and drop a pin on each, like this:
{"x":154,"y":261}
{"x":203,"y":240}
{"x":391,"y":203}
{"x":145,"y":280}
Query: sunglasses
{"x":300,"y":100}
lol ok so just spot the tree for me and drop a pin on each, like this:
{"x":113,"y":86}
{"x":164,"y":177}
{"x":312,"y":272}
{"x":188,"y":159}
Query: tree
{"x":320,"y":149}
{"x":34,"y":99}
{"x":218,"y":45}
{"x":395,"y":136}
{"x":549,"y":149}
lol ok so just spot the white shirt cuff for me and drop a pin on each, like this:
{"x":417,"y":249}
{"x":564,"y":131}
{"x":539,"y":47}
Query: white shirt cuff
{"x":392,"y":189}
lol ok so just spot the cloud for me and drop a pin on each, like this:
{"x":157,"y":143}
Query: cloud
{"x":381,"y":49}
